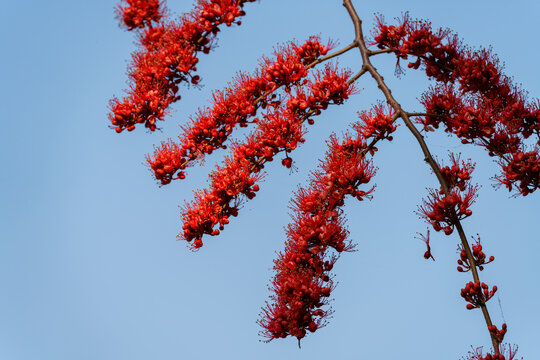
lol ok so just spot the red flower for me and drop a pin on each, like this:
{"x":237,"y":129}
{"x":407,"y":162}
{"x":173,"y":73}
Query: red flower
{"x":477,"y":294}
{"x":425,"y":239}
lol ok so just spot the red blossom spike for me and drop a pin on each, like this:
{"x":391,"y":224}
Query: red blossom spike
{"x":211,"y":127}
{"x":281,"y":130}
{"x":167,"y":56}
{"x":303,"y":283}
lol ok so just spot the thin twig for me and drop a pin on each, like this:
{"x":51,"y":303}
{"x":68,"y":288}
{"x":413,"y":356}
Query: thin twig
{"x":377,"y":52}
{"x":328,"y":57}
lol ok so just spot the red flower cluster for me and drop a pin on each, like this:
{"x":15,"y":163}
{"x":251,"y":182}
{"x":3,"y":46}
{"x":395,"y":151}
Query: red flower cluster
{"x":437,"y":51}
{"x":523,"y":171}
{"x":468,"y":120}
{"x":477,"y":294}
{"x":389,"y":36}
{"x":167,"y":57}
{"x":442,"y":210}
{"x":505,"y":353}
{"x":486,"y":123}
{"x":499,"y":334}
{"x":478,"y":254}
{"x":377,"y":123}
{"x":486,"y":109}
{"x":281,"y":130}
{"x":302,"y":283}
{"x":457,"y":175}
{"x":137,"y":14}
{"x":210,"y":129}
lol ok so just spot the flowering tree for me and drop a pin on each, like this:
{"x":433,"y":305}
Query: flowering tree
{"x":470,"y":98}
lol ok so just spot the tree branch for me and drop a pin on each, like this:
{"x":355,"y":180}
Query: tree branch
{"x":360,"y":42}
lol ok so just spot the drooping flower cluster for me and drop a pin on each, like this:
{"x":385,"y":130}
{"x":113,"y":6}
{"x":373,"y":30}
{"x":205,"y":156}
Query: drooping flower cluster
{"x":302,"y":284}
{"x":475,"y":100}
{"x":443,"y":209}
{"x":211,"y":127}
{"x":167,"y":56}
{"x":280,"y":130}
{"x":478,"y":254}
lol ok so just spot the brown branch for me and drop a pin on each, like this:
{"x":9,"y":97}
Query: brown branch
{"x":328,"y":57}
{"x":382,"y":51}
{"x":357,"y":76}
{"x":359,"y":40}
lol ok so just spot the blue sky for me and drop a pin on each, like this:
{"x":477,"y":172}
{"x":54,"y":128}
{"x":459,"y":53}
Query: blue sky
{"x":89,"y":265}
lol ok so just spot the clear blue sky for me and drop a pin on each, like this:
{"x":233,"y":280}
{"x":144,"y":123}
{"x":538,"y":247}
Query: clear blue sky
{"x":89,"y":265}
